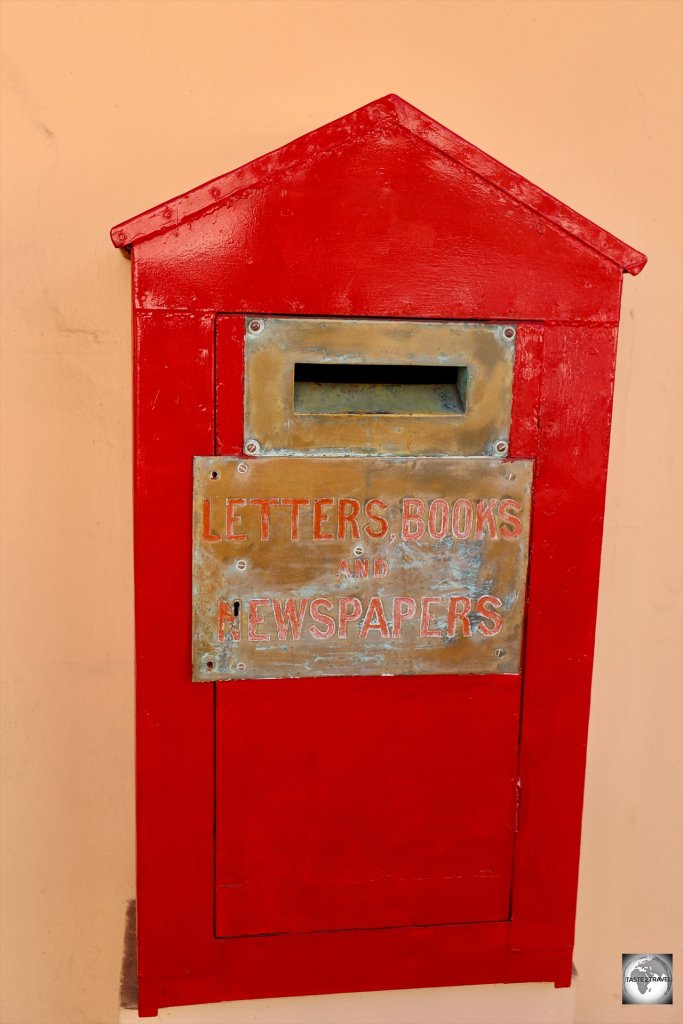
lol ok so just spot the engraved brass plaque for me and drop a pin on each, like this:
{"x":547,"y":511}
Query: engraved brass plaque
{"x":378,"y":387}
{"x":358,"y":566}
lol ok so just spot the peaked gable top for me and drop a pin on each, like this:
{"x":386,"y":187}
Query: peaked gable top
{"x":388,"y":111}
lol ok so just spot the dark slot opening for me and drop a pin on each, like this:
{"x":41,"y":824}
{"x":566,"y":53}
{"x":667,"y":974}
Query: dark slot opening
{"x":370,"y":389}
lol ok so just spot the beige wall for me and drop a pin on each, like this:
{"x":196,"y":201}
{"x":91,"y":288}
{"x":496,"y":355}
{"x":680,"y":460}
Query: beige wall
{"x":112,"y":107}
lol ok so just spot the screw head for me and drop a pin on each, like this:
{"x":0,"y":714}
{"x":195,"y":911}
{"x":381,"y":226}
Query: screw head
{"x":255,"y":326}
{"x":501,"y":447}
{"x":358,"y":551}
{"x":252,"y":447}
{"x":509,"y":333}
{"x":499,"y":652}
{"x":242,"y":467}
{"x":241,"y":565}
{"x":240,"y":666}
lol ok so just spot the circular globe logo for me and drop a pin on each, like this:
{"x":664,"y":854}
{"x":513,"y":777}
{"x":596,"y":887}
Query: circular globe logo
{"x":647,"y":978}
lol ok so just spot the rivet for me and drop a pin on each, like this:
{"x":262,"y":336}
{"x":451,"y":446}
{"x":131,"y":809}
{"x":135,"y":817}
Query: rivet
{"x":501,"y":447}
{"x":242,"y":467}
{"x":252,"y":447}
{"x":256,"y":326}
{"x":241,"y":565}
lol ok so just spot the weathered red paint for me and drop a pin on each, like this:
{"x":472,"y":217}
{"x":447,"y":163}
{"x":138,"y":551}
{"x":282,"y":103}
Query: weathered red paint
{"x":384,"y":761}
{"x":383,"y":213}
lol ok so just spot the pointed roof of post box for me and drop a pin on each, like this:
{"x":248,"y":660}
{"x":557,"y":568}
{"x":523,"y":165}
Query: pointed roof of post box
{"x":389,"y":111}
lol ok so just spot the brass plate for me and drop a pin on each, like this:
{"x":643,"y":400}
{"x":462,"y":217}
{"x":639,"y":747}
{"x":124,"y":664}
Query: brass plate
{"x":358,"y":566}
{"x":286,"y":421}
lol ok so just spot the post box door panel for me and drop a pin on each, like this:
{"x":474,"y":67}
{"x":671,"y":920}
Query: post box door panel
{"x":346,"y":803}
{"x":371,"y":781}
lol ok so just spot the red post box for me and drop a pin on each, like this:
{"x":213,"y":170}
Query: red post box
{"x":373,"y":388}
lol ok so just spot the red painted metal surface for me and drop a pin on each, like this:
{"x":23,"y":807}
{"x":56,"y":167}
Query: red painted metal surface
{"x":378,"y":802}
{"x":383,"y":213}
{"x":390,"y":116}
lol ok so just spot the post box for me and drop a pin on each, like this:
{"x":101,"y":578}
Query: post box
{"x":373,"y":382}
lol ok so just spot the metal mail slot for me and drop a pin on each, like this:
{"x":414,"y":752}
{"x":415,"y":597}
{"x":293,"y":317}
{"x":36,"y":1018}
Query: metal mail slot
{"x":373,"y":387}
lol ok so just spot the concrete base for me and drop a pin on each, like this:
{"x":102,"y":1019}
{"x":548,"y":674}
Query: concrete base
{"x":537,"y":1003}
{"x":475,"y":1004}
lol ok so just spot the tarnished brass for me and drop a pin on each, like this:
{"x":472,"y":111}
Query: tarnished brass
{"x":358,"y":566}
{"x":289,"y":410}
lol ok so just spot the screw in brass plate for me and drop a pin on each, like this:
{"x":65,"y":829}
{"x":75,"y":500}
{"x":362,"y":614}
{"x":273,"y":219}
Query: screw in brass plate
{"x":499,"y":652}
{"x":242,"y":467}
{"x":241,"y":565}
{"x":501,"y":447}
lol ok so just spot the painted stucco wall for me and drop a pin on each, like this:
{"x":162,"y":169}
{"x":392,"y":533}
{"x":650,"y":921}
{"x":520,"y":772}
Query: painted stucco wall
{"x":111,"y":107}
